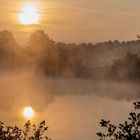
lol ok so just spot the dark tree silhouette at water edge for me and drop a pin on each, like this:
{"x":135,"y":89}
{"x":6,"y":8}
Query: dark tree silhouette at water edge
{"x":129,"y":130}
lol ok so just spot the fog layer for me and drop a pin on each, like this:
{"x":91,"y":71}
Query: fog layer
{"x":43,"y":69}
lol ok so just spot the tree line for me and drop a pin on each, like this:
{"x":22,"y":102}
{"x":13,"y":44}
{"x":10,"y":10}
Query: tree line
{"x":112,"y":60}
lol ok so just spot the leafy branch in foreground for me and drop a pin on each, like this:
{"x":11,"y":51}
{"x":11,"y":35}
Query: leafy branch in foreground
{"x":30,"y":132}
{"x":129,"y":130}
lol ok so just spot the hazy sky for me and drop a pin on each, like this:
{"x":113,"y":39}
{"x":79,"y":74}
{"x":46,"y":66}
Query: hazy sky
{"x":76,"y":21}
{"x":71,"y":107}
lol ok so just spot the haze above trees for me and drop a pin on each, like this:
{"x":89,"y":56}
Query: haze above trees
{"x":110,"y":60}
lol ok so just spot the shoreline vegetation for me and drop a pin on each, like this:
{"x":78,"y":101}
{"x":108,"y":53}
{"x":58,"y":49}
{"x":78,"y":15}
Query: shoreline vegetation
{"x":110,"y":60}
{"x":29,"y":132}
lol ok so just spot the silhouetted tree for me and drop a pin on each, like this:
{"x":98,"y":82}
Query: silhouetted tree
{"x":129,"y":130}
{"x":105,"y":60}
{"x":126,"y":69}
{"x":9,"y":50}
{"x":30,"y":132}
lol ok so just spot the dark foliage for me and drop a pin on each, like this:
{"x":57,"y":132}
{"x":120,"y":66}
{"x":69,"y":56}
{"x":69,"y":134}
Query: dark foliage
{"x":111,"y":60}
{"x":129,"y":130}
{"x":30,"y":132}
{"x":127,"y":68}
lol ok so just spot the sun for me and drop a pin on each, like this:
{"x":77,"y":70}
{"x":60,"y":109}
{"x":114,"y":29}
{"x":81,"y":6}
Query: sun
{"x":28,"y":112}
{"x":29,"y":15}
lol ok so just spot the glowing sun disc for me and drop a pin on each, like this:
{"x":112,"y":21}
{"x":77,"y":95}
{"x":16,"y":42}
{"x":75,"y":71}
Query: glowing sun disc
{"x":28,"y":112}
{"x":28,"y":18}
{"x":29,"y":15}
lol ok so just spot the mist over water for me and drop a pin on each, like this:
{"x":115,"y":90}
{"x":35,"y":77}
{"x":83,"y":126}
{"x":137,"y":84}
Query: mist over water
{"x":79,"y":83}
{"x":80,"y":101}
{"x":40,"y":92}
